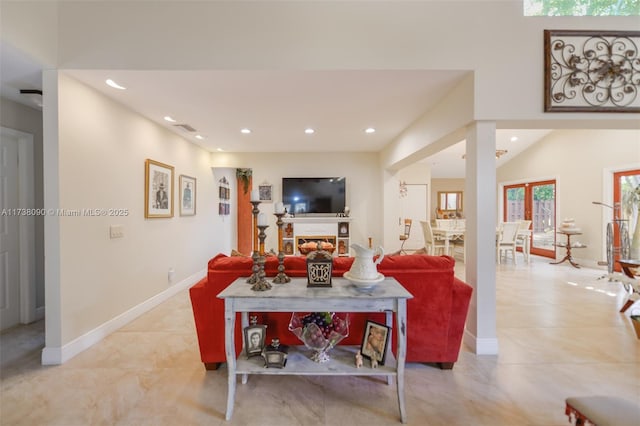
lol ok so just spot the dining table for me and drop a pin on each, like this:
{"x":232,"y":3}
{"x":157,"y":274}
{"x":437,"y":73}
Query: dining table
{"x":449,"y":235}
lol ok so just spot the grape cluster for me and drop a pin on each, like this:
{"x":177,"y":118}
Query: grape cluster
{"x":322,"y":328}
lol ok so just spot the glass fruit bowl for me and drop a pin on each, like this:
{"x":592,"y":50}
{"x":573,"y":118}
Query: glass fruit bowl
{"x":320,"y":331}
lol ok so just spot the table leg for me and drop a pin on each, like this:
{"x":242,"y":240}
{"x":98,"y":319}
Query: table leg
{"x":389,"y":323}
{"x":401,"y":321}
{"x":244,"y":320}
{"x":229,"y":344}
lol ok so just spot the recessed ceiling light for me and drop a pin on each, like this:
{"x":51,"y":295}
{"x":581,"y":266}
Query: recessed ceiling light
{"x":309,"y":131}
{"x":115,"y":85}
{"x":220,"y":150}
{"x":514,"y":138}
{"x":245,"y":131}
{"x":199,"y":137}
{"x":169,"y":119}
{"x":369,"y":130}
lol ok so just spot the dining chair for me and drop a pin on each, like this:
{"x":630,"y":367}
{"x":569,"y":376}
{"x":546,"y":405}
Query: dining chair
{"x":507,"y":234}
{"x":430,"y":243}
{"x":522,"y":237}
{"x":405,"y":236}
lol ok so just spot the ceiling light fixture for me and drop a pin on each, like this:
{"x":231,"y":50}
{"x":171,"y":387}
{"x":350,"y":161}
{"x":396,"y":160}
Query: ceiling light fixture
{"x":115,"y":85}
{"x":309,"y":131}
{"x":34,"y":95}
{"x":199,"y":137}
{"x":220,"y":150}
{"x":514,"y":138}
{"x":169,"y":119}
{"x":245,"y":131}
{"x":370,"y":130}
{"x":499,"y":153}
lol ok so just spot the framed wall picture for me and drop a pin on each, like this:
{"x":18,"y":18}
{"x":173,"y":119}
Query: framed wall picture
{"x":187,"y":195}
{"x":591,"y":71}
{"x":375,"y":341}
{"x":158,"y":189}
{"x":265,"y":190}
{"x":254,"y":338}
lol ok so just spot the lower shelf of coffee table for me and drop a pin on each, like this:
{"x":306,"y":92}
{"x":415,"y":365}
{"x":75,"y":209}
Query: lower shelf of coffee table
{"x":342,"y":363}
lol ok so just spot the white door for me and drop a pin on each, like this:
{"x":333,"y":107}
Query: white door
{"x":414,"y":206}
{"x":9,"y":238}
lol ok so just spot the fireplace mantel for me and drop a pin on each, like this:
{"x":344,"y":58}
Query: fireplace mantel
{"x":331,"y":227}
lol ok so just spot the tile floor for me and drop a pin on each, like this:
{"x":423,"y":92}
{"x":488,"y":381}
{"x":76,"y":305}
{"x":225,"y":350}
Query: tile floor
{"x":559,"y":331}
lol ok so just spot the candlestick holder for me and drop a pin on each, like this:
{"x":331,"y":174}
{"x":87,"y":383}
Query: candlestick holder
{"x":261,"y":284}
{"x":254,"y":252}
{"x":281,"y":278}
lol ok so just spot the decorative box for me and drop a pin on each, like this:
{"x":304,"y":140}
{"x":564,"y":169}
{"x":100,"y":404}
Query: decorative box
{"x":275,"y":355}
{"x":319,"y":267}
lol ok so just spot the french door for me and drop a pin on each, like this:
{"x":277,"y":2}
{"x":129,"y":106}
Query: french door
{"x":534,"y":201}
{"x":626,"y":202}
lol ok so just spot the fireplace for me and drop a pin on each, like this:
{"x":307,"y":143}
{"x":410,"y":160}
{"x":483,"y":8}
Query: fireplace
{"x":301,"y":239}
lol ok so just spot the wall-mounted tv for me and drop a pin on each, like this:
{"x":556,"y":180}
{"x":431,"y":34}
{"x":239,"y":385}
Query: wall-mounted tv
{"x":320,"y":195}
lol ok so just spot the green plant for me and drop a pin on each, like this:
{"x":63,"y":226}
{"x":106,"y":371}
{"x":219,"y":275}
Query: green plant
{"x":244,"y":175}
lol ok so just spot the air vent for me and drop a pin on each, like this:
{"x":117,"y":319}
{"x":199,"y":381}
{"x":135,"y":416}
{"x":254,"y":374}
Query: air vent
{"x":185,"y":127}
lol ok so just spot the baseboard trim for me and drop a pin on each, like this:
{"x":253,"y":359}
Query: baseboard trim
{"x":60,"y":355}
{"x":486,"y":346}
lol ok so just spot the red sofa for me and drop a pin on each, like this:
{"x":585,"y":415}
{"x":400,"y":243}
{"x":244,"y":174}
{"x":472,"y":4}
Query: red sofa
{"x":435,"y":316}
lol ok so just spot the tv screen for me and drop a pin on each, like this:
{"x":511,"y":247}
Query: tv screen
{"x":321,"y":195}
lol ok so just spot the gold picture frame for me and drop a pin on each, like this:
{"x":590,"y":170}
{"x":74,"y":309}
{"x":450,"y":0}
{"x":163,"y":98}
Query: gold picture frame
{"x":158,"y":189}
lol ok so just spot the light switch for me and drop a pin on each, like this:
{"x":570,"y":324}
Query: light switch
{"x":116,"y":231}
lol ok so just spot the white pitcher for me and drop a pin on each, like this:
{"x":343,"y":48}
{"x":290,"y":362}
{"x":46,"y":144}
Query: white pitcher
{"x":364,"y":268}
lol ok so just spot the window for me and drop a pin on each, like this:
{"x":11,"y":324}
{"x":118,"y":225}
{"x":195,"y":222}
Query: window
{"x":581,"y":7}
{"x":450,"y":203}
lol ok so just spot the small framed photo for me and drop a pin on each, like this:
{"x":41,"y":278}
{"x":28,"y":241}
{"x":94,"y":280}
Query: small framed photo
{"x":375,"y":341}
{"x":187,"y":195}
{"x":254,"y":338}
{"x":158,"y":189}
{"x":266,"y":192}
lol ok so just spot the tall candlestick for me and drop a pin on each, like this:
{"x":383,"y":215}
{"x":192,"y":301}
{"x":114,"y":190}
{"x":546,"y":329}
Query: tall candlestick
{"x":254,"y":276}
{"x":281,"y":278}
{"x":261,"y":284}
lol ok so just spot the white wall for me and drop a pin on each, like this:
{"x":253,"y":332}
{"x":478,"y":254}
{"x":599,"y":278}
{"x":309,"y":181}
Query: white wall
{"x":579,"y":160}
{"x":102,"y":149}
{"x":361,"y":170}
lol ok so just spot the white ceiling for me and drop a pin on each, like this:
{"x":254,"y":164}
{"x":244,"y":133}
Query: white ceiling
{"x":277,"y":106}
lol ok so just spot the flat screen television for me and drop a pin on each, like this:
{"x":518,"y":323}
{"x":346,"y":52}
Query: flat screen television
{"x":319,"y":195}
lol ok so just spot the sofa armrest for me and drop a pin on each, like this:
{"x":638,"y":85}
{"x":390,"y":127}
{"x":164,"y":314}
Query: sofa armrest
{"x":459,"y":311}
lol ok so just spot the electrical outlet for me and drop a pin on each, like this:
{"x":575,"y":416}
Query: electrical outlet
{"x":116,"y":231}
{"x":171,"y":275}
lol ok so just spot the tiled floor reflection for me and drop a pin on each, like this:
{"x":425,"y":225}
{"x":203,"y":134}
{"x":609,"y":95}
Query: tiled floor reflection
{"x":559,"y":334}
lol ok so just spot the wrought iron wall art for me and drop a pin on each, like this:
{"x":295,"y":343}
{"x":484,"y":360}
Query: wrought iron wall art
{"x":591,"y":71}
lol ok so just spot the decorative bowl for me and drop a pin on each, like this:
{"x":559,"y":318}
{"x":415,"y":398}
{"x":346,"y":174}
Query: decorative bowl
{"x":320,"y":331}
{"x":306,"y":249}
{"x":363,"y":284}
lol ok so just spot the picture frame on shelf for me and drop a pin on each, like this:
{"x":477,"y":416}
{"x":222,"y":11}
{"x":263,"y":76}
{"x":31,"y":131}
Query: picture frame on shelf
{"x":187,"y":195}
{"x":266,"y":192}
{"x":375,"y":341}
{"x":158,"y":189}
{"x":343,"y":229}
{"x":288,"y":248}
{"x":254,"y":339}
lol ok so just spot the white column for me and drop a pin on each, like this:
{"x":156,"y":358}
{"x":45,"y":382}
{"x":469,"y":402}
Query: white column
{"x":480,"y":236}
